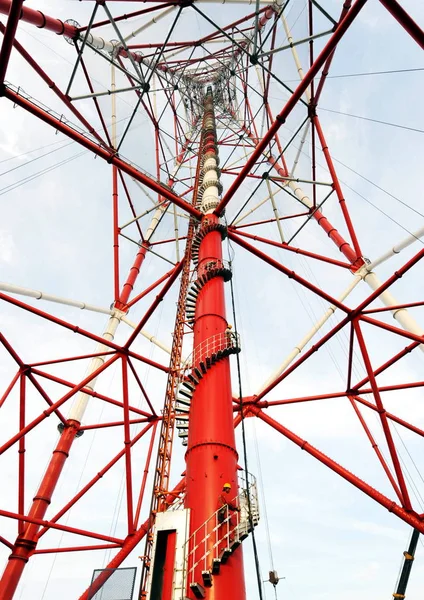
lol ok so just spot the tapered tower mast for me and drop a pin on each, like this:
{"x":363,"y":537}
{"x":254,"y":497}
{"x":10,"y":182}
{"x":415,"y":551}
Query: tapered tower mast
{"x":225,"y":133}
{"x":211,"y":455}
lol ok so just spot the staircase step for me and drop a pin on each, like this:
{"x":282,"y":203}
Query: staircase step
{"x":203,"y":367}
{"x":193,"y":379}
{"x":183,"y":426}
{"x":188,"y":385}
{"x":183,"y":401}
{"x":208,"y":362}
{"x":182,"y":418}
{"x":198,"y":590}
{"x":207,"y":578}
{"x":235,"y":544}
{"x":198,"y":373}
{"x":216,"y":566}
{"x":186,"y":393}
{"x":183,"y":433}
{"x":224,"y":556}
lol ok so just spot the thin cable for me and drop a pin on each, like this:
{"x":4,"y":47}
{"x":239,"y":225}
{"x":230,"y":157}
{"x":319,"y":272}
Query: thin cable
{"x":261,"y":483}
{"x":338,"y":112}
{"x":365,"y":74}
{"x":30,"y":151}
{"x":28,"y":162}
{"x":243,"y":431}
{"x":15,"y":185}
{"x":379,"y":187}
{"x":362,"y":196}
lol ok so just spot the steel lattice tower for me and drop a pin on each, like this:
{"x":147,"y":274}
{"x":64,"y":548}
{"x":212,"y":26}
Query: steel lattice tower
{"x":213,"y":116}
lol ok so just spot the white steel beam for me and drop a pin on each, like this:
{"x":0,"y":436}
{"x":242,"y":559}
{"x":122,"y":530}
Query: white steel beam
{"x":403,"y":317}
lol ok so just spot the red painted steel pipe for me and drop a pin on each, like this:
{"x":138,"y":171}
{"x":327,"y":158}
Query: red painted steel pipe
{"x":211,"y":457}
{"x":25,"y":542}
{"x":411,"y":517}
{"x":344,"y":247}
{"x":132,"y":276}
{"x":96,"y":478}
{"x":345,"y":8}
{"x":285,"y":246}
{"x":39,"y":522}
{"x":405,"y":20}
{"x":128,"y":546}
{"x":337,"y":187}
{"x":107,"y":155}
{"x":27,"y":56}
{"x":291,"y":274}
{"x":21,"y":451}
{"x":291,"y":103}
{"x":40,"y":20}
{"x":375,"y":447}
{"x":9,"y":35}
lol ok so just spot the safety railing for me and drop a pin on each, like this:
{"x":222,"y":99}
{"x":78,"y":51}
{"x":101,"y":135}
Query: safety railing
{"x":212,"y":543}
{"x":227,"y":340}
{"x":212,"y":264}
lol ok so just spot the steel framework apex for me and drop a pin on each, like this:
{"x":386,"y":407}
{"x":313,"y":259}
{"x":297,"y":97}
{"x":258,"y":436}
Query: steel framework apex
{"x":196,"y":125}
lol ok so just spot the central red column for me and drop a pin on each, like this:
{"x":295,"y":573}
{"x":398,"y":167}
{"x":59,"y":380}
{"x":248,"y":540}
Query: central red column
{"x":211,"y":455}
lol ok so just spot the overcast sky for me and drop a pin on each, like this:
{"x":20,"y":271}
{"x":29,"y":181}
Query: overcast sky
{"x":326,"y":538}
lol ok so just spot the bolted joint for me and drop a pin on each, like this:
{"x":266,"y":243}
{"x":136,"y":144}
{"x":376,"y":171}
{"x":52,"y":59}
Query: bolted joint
{"x":312,"y":110}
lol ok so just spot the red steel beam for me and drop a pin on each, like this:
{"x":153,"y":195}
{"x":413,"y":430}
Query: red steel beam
{"x":103,"y":153}
{"x":94,"y":480}
{"x":291,"y":274}
{"x":405,"y":20}
{"x":130,"y":542}
{"x":76,"y":548}
{"x":291,"y":103}
{"x":409,"y":516}
{"x":376,"y":448}
{"x":285,"y":246}
{"x":27,"y":56}
{"x":41,"y":522}
{"x":77,"y":329}
{"x":211,"y":456}
{"x":14,"y":12}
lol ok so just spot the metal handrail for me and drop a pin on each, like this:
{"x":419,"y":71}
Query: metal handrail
{"x":217,"y":534}
{"x":213,"y":344}
{"x":211,"y":264}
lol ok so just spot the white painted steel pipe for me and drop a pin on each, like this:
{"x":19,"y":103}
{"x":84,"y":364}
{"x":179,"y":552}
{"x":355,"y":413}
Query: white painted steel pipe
{"x":299,"y":150}
{"x":402,"y":316}
{"x":158,"y":17}
{"x":80,"y":403}
{"x":416,"y":235}
{"x":295,"y":55}
{"x":147,"y":335}
{"x":261,"y":203}
{"x":274,"y":208}
{"x":318,"y":325}
{"x":39,"y":295}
